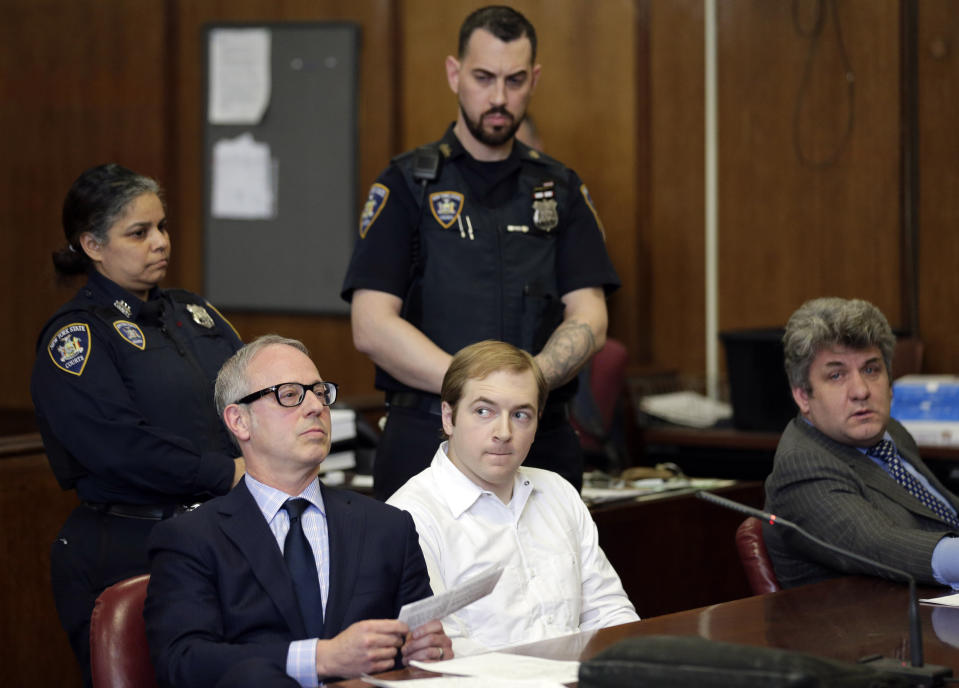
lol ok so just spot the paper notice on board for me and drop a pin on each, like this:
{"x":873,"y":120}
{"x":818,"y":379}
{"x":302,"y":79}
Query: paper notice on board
{"x":239,"y":75}
{"x":243,"y":184}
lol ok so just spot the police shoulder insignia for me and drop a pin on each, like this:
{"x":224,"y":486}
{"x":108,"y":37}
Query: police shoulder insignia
{"x":131,"y":332}
{"x":446,"y":207}
{"x":69,"y":348}
{"x":589,"y":201}
{"x":223,"y":318}
{"x":200,"y":315}
{"x":371,"y":209}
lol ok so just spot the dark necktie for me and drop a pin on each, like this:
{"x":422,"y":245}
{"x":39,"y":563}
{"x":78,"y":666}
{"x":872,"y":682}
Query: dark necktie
{"x":302,"y":564}
{"x":886,"y":452}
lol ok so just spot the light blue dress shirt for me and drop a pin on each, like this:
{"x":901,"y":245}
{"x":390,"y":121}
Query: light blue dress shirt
{"x":301,"y":656}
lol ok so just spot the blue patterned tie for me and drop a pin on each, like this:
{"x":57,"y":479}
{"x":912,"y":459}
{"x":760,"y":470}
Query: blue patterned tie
{"x":302,"y":564}
{"x":886,"y":451}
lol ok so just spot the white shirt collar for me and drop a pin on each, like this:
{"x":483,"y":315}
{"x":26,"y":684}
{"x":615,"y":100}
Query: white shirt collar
{"x":459,"y":493}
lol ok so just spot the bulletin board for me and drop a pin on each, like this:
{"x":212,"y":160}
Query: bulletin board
{"x":290,"y":253}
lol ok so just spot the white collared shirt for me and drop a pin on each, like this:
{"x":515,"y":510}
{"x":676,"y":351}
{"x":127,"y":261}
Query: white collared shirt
{"x":556,"y":579}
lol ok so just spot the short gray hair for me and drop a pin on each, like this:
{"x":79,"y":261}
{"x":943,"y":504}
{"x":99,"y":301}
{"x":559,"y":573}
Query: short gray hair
{"x":231,"y":381}
{"x":829,"y":321}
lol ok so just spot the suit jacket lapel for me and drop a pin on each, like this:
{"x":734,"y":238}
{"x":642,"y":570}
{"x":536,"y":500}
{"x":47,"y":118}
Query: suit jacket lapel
{"x":917,"y":463}
{"x":874,"y":476}
{"x":345,"y":525}
{"x":243,"y":523}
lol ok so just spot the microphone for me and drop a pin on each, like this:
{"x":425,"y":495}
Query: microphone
{"x":920,"y":675}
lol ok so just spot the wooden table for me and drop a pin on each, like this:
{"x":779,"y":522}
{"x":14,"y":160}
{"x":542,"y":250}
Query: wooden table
{"x":844,"y":618}
{"x":674,"y":551}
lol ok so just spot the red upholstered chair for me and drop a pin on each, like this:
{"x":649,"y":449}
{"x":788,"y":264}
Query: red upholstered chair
{"x":119,"y":656}
{"x":595,"y":407}
{"x":754,"y":557}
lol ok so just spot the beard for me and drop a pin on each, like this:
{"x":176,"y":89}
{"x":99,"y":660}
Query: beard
{"x":496,"y":137}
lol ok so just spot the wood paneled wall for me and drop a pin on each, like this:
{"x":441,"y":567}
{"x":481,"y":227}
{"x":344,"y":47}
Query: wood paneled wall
{"x":788,"y":230}
{"x":620,"y":100}
{"x":81,"y":83}
{"x":938,"y":56}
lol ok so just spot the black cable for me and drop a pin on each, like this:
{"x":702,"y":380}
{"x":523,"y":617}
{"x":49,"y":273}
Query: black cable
{"x":813,"y":34}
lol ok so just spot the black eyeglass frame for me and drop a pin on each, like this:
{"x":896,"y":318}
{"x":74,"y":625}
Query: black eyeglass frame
{"x":328,"y":398}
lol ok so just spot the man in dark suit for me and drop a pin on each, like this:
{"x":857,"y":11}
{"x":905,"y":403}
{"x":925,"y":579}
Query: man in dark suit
{"x":844,"y":470}
{"x":221,"y":591}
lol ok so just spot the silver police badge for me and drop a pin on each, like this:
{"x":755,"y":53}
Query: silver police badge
{"x":545,"y":215}
{"x":200,"y":315}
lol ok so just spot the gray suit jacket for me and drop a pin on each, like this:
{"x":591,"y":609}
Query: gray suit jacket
{"x":841,"y":496}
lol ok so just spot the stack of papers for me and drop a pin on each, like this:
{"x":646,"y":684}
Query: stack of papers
{"x":686,"y":408}
{"x":641,"y":488}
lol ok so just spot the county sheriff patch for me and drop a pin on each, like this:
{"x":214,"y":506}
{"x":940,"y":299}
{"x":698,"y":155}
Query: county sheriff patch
{"x":69,"y":348}
{"x":446,"y":207}
{"x":131,"y":332}
{"x":375,"y":202}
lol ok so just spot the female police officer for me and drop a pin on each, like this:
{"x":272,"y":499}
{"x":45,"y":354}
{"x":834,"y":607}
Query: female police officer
{"x":123,"y":391}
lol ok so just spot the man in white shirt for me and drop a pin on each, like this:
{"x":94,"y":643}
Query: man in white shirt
{"x":477,"y":508}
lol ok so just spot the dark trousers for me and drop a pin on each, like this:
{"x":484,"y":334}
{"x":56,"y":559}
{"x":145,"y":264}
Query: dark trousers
{"x":411,"y":437}
{"x":93,"y":551}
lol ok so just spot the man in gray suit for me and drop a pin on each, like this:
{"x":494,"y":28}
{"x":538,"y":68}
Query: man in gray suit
{"x":844,"y":470}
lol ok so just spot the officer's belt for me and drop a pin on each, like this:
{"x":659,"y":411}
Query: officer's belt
{"x":554,"y":414}
{"x":426,"y":403}
{"x":150,"y":512}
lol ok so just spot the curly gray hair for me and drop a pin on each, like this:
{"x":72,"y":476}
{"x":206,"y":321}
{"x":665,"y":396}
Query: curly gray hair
{"x":823,"y":322}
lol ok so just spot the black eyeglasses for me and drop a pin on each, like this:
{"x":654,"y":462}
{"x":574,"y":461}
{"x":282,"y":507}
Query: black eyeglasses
{"x":291,"y":394}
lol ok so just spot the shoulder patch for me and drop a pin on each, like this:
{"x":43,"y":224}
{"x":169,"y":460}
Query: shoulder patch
{"x":446,"y":207}
{"x":589,"y":202}
{"x":69,"y":348}
{"x":131,"y":332}
{"x":229,"y":324}
{"x":375,"y":203}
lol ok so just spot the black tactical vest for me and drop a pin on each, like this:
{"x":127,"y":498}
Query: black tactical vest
{"x":487,"y":273}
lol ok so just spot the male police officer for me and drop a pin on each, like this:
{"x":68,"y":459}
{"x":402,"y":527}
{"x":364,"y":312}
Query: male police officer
{"x":475,"y":237}
{"x":845,"y":470}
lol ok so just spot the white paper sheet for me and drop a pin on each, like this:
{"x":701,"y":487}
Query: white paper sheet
{"x":243,"y":179}
{"x":944,"y":601}
{"x":418,"y":613}
{"x":503,"y":665}
{"x":239,"y":74}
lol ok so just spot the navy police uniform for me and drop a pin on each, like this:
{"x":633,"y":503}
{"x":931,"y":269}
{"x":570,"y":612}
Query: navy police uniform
{"x":123,"y":392}
{"x":476,"y":250}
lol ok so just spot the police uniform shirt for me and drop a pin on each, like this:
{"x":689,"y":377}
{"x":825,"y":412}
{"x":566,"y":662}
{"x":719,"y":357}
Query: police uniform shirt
{"x":382,"y":254}
{"x":124,"y":389}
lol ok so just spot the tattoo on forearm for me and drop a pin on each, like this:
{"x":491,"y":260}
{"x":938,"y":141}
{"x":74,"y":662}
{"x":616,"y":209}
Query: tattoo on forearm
{"x":569,"y":347}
